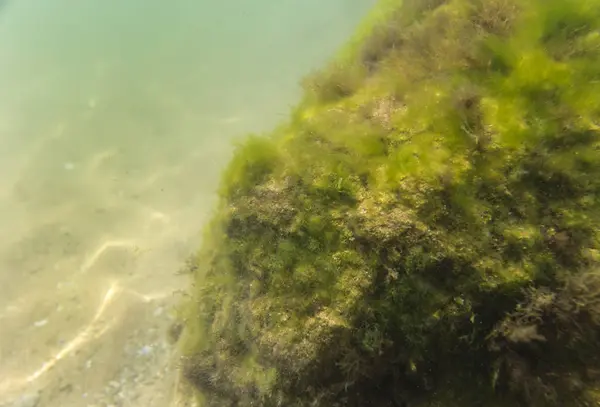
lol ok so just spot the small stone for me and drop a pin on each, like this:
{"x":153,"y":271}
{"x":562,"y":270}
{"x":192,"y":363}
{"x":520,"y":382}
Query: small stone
{"x":40,"y":323}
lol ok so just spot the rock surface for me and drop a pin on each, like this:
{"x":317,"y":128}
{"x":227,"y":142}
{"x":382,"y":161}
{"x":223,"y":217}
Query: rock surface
{"x":424,"y":229}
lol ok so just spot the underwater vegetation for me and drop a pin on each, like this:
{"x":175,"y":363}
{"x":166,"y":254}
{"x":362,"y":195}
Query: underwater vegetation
{"x":424,"y":230}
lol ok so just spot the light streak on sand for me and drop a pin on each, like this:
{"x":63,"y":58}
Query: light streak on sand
{"x":17,"y":306}
{"x":91,"y":260}
{"x":90,"y":332}
{"x":149,"y":297}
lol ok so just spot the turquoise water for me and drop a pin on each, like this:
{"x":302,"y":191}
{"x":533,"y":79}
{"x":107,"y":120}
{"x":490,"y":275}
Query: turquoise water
{"x":116,"y":118}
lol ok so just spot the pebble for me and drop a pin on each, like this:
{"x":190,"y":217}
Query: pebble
{"x":40,"y":323}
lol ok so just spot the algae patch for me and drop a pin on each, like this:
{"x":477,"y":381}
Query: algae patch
{"x":423,"y":230}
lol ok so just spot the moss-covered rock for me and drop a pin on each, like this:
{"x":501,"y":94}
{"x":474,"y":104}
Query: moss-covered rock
{"x":424,"y":229}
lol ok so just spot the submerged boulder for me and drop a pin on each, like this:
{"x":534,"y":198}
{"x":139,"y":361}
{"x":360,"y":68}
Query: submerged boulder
{"x":424,"y":231}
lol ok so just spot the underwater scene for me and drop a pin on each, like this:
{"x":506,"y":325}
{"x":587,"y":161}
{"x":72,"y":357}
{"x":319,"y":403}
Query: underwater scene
{"x":116,"y":120}
{"x":361,"y":203}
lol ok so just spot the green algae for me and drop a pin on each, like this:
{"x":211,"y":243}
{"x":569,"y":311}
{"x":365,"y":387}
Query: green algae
{"x":423,"y":230}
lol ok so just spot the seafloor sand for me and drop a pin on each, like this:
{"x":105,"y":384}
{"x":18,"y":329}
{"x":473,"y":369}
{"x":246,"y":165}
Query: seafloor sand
{"x":95,"y":247}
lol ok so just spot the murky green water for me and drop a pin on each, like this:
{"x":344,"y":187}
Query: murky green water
{"x":115,"y":120}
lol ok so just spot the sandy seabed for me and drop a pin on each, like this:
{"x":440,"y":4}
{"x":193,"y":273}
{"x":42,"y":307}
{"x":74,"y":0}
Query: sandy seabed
{"x":88,"y":269}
